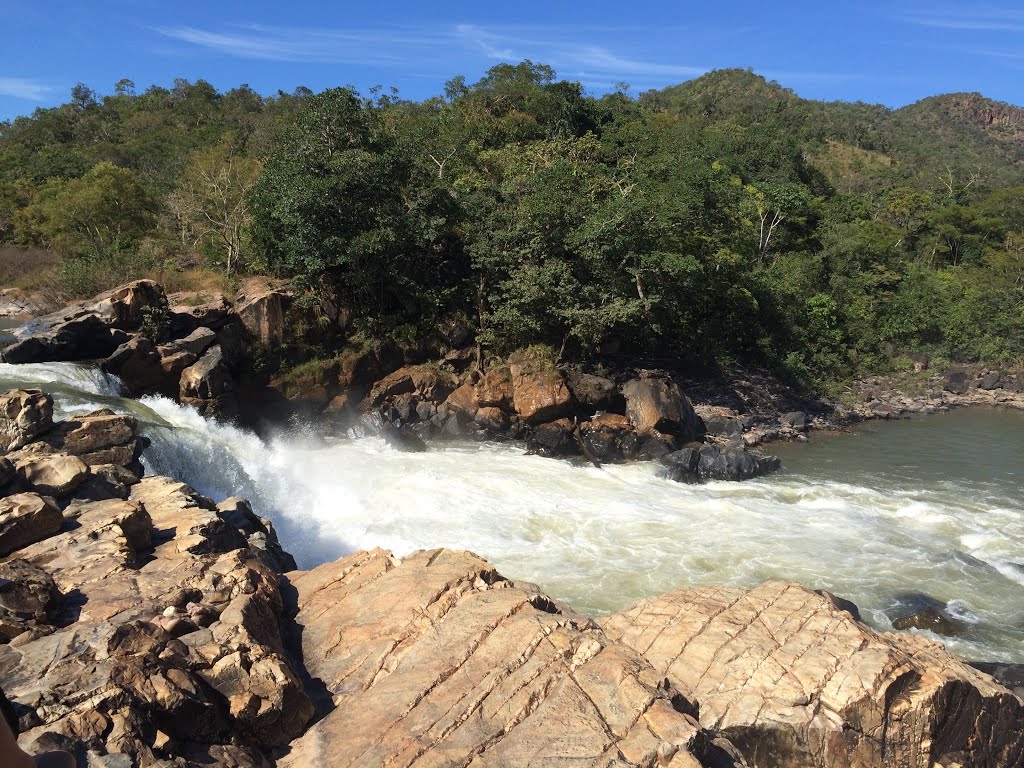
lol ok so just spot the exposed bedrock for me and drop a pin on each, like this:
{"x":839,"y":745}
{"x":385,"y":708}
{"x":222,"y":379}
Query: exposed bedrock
{"x":793,"y":679}
{"x":435,"y":659}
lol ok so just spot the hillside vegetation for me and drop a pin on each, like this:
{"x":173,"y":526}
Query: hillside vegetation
{"x":725,"y":218}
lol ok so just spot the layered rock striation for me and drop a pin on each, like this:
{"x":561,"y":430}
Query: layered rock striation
{"x":792,"y":678}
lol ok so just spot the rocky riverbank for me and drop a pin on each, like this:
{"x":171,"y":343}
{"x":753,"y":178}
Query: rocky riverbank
{"x":142,"y":624}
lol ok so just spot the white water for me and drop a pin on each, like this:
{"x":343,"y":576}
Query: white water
{"x":602,"y":538}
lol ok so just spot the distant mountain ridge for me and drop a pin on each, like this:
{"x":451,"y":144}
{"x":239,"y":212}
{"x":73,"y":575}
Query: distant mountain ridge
{"x":965,"y":130}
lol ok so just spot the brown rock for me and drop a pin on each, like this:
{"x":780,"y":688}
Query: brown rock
{"x":494,"y":390}
{"x":428,"y":383}
{"x":595,"y":393}
{"x":28,"y":597}
{"x":88,"y":433}
{"x":464,"y":399}
{"x":26,"y":518}
{"x":137,"y":364}
{"x":793,"y":680}
{"x":539,"y":396}
{"x":261,"y":308}
{"x":437,"y":660}
{"x":658,"y":405}
{"x":194,"y":310}
{"x":25,"y":414}
{"x":57,"y":474}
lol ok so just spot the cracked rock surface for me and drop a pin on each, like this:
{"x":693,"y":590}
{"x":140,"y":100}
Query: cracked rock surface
{"x":792,"y":679}
{"x":436,"y":660}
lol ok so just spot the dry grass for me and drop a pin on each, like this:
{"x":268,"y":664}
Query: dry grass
{"x":31,"y":269}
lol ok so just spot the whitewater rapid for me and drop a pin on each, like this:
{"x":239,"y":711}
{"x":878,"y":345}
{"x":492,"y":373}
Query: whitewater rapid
{"x":600,"y":539}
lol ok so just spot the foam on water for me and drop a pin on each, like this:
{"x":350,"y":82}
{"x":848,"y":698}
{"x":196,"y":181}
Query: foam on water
{"x":602,"y":538}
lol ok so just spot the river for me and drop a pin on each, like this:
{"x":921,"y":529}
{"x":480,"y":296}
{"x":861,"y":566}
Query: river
{"x":930,"y":505}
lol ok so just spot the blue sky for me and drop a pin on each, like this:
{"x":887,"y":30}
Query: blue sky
{"x":888,"y":52}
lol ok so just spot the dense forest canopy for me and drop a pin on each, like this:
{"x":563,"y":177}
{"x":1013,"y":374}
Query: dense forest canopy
{"x":723,"y":218}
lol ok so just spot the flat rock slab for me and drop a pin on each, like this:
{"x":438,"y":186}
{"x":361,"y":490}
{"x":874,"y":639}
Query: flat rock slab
{"x":793,"y":680}
{"x":436,"y":660}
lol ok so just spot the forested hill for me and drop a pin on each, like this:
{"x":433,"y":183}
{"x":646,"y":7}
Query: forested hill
{"x":958,"y":129}
{"x":725,"y":217}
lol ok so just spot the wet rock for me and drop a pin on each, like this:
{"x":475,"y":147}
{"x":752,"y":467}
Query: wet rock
{"x":137,"y":364}
{"x":28,"y":599}
{"x":437,"y":659}
{"x":554,"y":439}
{"x":26,"y":518}
{"x":493,"y":419}
{"x":25,"y":414}
{"x":208,"y":385}
{"x":57,"y":474}
{"x":601,"y":436}
{"x":711,"y":462}
{"x":658,"y":405}
{"x":791,"y":679}
{"x":404,"y":440}
{"x":915,"y":610}
{"x":595,"y":393}
{"x":539,"y":396}
{"x":955,"y":382}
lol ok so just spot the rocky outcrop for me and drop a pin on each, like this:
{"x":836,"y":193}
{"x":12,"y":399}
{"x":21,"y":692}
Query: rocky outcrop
{"x":262,"y":307}
{"x":794,"y":680}
{"x":87,"y":330}
{"x":438,"y":660}
{"x":158,"y":638}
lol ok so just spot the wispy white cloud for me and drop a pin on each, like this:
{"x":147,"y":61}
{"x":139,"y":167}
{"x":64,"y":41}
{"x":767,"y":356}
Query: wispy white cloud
{"x":23,"y":88}
{"x":308,"y":45}
{"x":978,"y":19}
{"x":568,"y":51}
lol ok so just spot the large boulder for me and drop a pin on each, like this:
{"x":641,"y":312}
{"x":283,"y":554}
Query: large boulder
{"x":26,"y":518}
{"x":208,"y":385}
{"x":700,"y":463}
{"x":438,"y":660}
{"x":89,"y":329}
{"x":262,"y":308}
{"x":25,"y":414}
{"x":538,"y":395}
{"x":137,"y":364}
{"x":427,"y":382}
{"x":792,"y":679}
{"x":658,"y":405}
{"x":595,"y":393}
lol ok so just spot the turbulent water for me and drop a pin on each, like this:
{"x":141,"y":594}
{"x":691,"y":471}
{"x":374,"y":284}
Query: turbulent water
{"x":930,"y":505}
